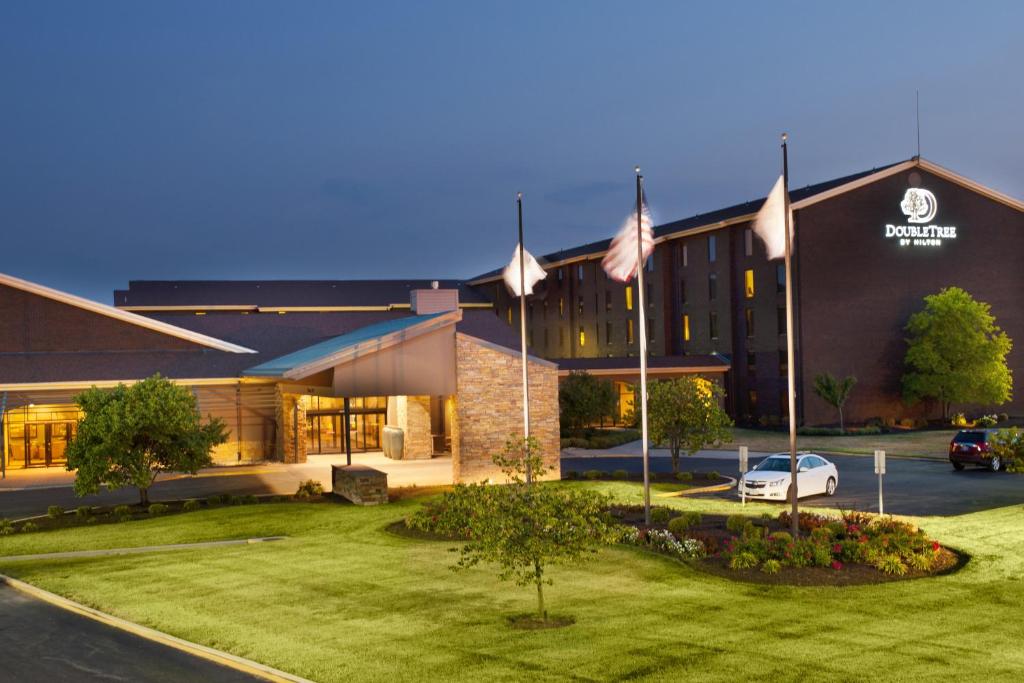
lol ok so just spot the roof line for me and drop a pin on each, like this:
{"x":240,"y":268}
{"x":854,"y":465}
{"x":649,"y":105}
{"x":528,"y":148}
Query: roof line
{"x":686,"y":370}
{"x":253,"y":308}
{"x":110,"y":383}
{"x":123,"y":316}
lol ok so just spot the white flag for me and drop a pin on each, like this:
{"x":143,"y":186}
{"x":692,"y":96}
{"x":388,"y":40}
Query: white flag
{"x":770,"y":223}
{"x":532,"y":273}
{"x":620,"y":263}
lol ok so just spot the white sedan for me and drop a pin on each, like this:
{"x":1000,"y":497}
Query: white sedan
{"x":770,"y":478}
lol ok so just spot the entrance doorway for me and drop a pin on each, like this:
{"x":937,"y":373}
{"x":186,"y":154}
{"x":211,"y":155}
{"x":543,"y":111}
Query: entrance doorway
{"x":39,"y":436}
{"x":325,"y":417}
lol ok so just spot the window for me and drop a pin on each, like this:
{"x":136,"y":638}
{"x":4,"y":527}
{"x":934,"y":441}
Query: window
{"x":752,"y":401}
{"x":579,"y":304}
{"x":583,"y":337}
{"x":783,"y":364}
{"x":561,"y":337}
{"x":607,"y":300}
{"x":712,"y":287}
{"x":685,"y":257}
{"x":530,"y":336}
{"x":608,"y":333}
{"x":713,"y":324}
{"x":508,"y":314}
{"x":682,"y":291}
{"x":748,"y":283}
{"x":650,"y":295}
{"x":650,"y":330}
{"x":629,"y":331}
{"x":650,"y":263}
{"x":561,"y":307}
{"x":629,"y":297}
{"x":748,"y":242}
{"x":579,"y":272}
{"x":545,"y":309}
{"x":780,"y":317}
{"x":751,"y":362}
{"x":784,"y":404}
{"x":780,"y":278}
{"x":686,"y":328}
{"x":560,"y":274}
{"x":748,"y":314}
{"x":712,"y":248}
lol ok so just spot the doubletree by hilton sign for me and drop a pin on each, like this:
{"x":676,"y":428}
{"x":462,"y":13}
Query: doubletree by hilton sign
{"x":920,"y":207}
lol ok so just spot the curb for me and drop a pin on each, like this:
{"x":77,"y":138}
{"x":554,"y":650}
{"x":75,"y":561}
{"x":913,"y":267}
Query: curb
{"x":217,"y":656}
{"x":703,"y":489}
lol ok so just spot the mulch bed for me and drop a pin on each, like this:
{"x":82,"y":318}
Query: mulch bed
{"x":713,"y":527}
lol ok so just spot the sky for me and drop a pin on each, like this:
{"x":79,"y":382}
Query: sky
{"x":332,"y":140}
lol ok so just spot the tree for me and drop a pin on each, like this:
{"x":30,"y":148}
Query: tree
{"x":521,"y":527}
{"x":956,"y":353}
{"x":686,"y":414}
{"x":131,"y":434}
{"x":834,"y":391}
{"x":584,"y":399}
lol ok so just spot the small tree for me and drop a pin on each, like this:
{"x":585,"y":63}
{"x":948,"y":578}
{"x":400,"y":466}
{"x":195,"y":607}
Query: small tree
{"x":522,"y":528}
{"x":834,"y":392}
{"x":584,"y":399}
{"x":131,"y":434}
{"x":956,"y":353}
{"x":686,"y":414}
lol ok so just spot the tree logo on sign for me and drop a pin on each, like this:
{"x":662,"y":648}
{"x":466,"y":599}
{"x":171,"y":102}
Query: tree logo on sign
{"x":919,"y":205}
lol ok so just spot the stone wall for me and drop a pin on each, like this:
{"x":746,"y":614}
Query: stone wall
{"x":489,"y":408}
{"x":412,"y":415}
{"x":289,"y":410}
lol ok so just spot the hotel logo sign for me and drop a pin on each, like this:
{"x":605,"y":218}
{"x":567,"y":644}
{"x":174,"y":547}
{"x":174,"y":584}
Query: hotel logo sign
{"x":919,"y":206}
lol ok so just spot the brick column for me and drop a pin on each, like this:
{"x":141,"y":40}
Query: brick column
{"x":291,"y":423}
{"x":413,"y":416}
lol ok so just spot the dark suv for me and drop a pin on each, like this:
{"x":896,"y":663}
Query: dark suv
{"x":973,"y":447}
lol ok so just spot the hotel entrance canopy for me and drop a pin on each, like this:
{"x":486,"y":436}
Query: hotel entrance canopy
{"x":409,"y":356}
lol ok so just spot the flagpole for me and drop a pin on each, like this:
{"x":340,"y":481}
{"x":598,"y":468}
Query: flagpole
{"x":643,"y":343}
{"x":522,"y":334}
{"x":790,"y":355}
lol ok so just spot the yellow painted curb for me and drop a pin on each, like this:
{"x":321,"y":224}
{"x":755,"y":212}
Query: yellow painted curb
{"x":703,"y":489}
{"x":223,"y":658}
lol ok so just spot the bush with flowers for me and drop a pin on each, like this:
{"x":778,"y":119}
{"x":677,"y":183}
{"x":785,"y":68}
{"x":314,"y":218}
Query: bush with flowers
{"x":663,"y":541}
{"x":892,"y":546}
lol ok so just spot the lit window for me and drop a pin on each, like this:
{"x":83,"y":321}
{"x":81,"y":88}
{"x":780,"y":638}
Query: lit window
{"x":583,"y":337}
{"x":712,"y":287}
{"x":509,"y":316}
{"x":629,"y":331}
{"x":748,"y":283}
{"x":749,"y":316}
{"x":629,"y":297}
{"x":561,"y":307}
{"x":686,"y":328}
{"x":752,"y":400}
{"x":748,"y":242}
{"x":712,"y":248}
{"x":713,"y":324}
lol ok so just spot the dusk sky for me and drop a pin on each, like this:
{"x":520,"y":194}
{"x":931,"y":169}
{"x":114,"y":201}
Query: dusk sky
{"x":272,"y":140}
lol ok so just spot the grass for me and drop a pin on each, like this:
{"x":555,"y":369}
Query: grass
{"x":924,"y":444}
{"x":344,"y":600}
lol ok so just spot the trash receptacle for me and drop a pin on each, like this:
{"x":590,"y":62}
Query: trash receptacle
{"x":393,"y":442}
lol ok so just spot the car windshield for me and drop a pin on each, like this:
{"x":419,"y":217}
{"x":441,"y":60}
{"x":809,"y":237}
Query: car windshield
{"x":773,"y":465}
{"x":970,"y":437}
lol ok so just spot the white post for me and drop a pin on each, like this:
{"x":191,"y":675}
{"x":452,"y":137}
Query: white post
{"x":744,"y":455}
{"x":880,"y":471}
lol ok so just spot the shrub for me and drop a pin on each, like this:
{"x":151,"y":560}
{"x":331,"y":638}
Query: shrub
{"x":1008,"y":444}
{"x":250,"y":500}
{"x":6,"y":528}
{"x":890,"y":563}
{"x":157,"y":509}
{"x":921,"y":562}
{"x":660,"y":515}
{"x":986,"y":421}
{"x":781,"y":537}
{"x":1003,"y":417}
{"x":278,"y":499}
{"x":714,"y":475}
{"x":735,"y":523}
{"x":190,"y":505}
{"x":310,"y":488}
{"x":123,"y":513}
{"x":743,"y":560}
{"x":683,"y":522}
{"x":771,"y":566}
{"x":592,"y":474}
{"x":620,"y":475}
{"x":684,"y":476}
{"x":55,"y":512}
{"x":29,"y":526}
{"x":83,"y":512}
{"x":571,"y":475}
{"x":233,"y":500}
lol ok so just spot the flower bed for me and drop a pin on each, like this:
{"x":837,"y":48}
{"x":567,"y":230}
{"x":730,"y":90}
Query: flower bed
{"x":853,"y":549}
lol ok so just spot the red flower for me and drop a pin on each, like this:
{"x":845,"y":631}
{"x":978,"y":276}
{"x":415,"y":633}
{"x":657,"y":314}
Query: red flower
{"x":862,"y":539}
{"x":837,"y":548}
{"x":935,"y":546}
{"x":837,"y":565}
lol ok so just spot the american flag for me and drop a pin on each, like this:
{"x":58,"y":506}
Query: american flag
{"x":621,"y":262}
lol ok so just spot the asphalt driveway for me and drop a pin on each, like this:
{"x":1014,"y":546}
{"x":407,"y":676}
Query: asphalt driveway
{"x":911,"y":487}
{"x":46,"y":644}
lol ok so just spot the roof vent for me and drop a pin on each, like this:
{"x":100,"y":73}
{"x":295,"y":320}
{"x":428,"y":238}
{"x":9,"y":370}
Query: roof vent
{"x":434,"y":284}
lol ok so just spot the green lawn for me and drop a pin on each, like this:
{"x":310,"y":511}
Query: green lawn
{"x":927,"y":444}
{"x":343,"y":600}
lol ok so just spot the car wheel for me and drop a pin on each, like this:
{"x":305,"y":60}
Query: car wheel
{"x":958,"y":466}
{"x":995,"y":464}
{"x":830,"y":487}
